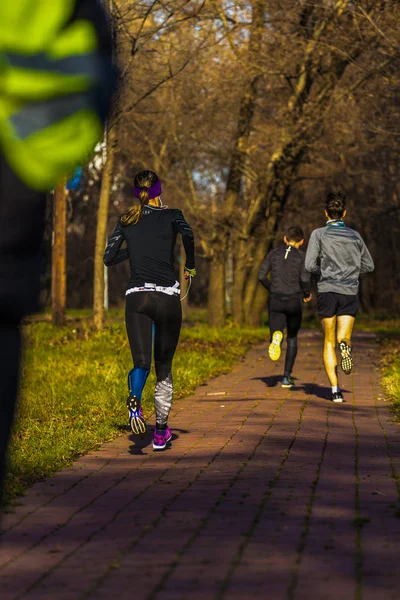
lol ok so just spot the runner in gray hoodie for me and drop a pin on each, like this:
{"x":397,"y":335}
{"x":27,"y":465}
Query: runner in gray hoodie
{"x":338,"y":255}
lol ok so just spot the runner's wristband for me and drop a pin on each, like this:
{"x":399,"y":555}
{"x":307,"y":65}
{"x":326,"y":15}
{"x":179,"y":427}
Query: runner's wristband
{"x":192,"y":272}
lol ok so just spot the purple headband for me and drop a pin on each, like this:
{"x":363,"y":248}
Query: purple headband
{"x":153,"y":191}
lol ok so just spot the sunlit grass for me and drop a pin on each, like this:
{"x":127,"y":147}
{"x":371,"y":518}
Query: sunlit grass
{"x":391,"y":374}
{"x":74,"y":386}
{"x":383,"y":324}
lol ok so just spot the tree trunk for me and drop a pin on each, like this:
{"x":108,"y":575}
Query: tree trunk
{"x":101,"y":232}
{"x":254,"y":316}
{"x":216,"y":292}
{"x":254,"y":289}
{"x":239,"y":282}
{"x":229,"y":271}
{"x":246,"y":111}
{"x":237,"y":167}
{"x":264,"y":230}
{"x":59,"y":246}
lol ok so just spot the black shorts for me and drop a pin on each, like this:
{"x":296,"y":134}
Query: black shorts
{"x":332,"y":304}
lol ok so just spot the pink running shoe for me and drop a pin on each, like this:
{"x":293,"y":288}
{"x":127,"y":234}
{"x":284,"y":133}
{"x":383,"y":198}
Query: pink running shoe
{"x":161,"y":438}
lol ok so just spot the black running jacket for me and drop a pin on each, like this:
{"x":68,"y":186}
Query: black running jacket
{"x":150,"y":246}
{"x":288,"y":273}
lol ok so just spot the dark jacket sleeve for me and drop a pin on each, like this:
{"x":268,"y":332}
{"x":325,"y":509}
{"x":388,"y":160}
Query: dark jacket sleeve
{"x":113,"y":253}
{"x":183,"y":227}
{"x":263,"y":273}
{"x":305,"y":278}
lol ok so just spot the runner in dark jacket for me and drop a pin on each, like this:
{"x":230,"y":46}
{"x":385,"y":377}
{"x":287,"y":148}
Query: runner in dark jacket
{"x":290,"y":284}
{"x":152,"y":296}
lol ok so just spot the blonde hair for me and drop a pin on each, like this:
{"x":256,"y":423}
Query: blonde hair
{"x":143,"y":180}
{"x":133,"y":214}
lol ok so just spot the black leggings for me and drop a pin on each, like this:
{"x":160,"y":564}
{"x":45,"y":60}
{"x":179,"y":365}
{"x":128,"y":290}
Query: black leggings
{"x":286,"y":312}
{"x":143,"y":309}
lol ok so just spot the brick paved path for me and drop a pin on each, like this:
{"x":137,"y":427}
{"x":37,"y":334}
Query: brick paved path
{"x":266,"y":493}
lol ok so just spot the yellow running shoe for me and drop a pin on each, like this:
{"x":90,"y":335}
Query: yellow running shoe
{"x":274,"y":349}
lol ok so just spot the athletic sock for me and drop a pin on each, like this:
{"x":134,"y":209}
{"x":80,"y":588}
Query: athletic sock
{"x":161,"y":427}
{"x":335,"y":388}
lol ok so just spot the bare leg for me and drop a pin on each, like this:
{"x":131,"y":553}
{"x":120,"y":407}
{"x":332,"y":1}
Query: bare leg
{"x":330,"y":360}
{"x":345,"y":324}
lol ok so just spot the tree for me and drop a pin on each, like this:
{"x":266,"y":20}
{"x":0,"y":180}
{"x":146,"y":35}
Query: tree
{"x":281,"y":103}
{"x":309,"y":56}
{"x":137,"y":26}
{"x":58,"y":265}
{"x":101,"y":230}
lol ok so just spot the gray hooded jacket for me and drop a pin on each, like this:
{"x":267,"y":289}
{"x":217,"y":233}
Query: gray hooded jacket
{"x":337,"y":254}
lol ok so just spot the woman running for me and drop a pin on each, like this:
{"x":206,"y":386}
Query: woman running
{"x":152,"y":297}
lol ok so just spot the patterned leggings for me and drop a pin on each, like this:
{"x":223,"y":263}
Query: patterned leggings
{"x":145,"y":310}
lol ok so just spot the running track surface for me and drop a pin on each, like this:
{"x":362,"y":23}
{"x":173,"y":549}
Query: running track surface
{"x":265,"y":493}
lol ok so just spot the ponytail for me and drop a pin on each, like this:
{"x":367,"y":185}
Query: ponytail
{"x":146,"y":187}
{"x":144,"y":197}
{"x":133,"y":214}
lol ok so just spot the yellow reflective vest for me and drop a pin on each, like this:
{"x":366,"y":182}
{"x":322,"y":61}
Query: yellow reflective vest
{"x":52,"y":80}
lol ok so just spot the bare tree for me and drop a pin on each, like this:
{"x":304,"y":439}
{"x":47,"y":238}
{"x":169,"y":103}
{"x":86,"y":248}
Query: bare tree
{"x":144,"y":31}
{"x":244,"y":108}
{"x":101,"y":231}
{"x":58,"y":267}
{"x":303,"y":59}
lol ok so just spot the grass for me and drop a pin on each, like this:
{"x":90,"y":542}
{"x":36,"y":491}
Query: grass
{"x":74,"y":386}
{"x":391,"y":374}
{"x":384,"y":325}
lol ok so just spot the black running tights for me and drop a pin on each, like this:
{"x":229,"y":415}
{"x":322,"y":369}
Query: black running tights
{"x":143,"y":309}
{"x":286,"y":312}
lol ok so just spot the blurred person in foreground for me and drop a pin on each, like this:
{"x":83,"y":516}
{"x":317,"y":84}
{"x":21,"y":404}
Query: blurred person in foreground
{"x":57,"y":80}
{"x":337,"y":255}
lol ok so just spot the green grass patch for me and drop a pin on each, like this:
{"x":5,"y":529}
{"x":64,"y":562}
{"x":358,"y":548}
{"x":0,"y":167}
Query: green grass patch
{"x":384,"y":325}
{"x":74,"y":387}
{"x":391,"y":374}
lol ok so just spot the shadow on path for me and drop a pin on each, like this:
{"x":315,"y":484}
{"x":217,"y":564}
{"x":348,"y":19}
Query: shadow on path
{"x":309,"y":388}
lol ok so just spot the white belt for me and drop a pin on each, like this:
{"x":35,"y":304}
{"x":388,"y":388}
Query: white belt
{"x":152,"y":287}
